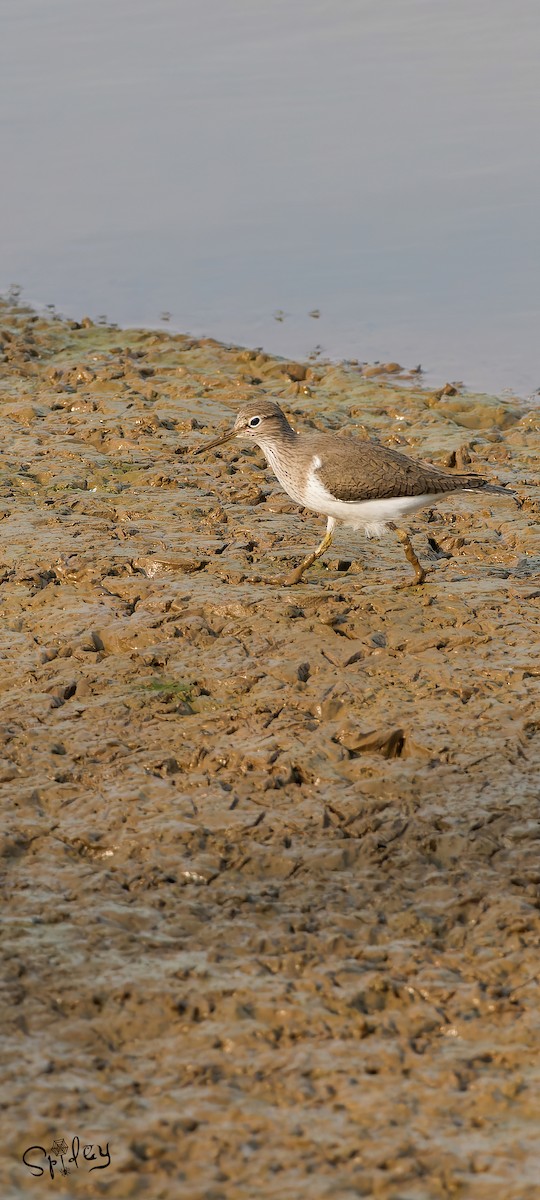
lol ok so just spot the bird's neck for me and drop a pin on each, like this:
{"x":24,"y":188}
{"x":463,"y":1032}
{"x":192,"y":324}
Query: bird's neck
{"x":281,"y":438}
{"x":280,"y":454}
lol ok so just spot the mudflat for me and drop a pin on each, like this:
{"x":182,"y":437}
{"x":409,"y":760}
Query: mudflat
{"x":270,"y":856}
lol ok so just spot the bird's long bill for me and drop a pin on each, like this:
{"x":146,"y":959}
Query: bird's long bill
{"x":225,"y":437}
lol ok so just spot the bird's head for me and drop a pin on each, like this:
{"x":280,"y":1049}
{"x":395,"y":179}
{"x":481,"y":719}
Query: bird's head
{"x":259,"y":421}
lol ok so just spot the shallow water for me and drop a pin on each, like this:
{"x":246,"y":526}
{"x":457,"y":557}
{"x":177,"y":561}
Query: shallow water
{"x":226,"y":162}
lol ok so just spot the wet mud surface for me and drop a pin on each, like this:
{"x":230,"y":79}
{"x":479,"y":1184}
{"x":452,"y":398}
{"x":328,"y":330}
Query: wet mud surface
{"x":270,"y":856}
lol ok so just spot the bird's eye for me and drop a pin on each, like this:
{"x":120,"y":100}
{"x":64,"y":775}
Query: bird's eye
{"x":254,"y":422}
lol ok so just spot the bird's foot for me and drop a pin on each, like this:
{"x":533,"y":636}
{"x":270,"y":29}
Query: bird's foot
{"x":271,"y":580}
{"x":291,"y":578}
{"x":418,"y":580}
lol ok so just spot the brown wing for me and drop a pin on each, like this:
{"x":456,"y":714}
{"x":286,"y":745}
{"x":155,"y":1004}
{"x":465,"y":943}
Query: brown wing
{"x":354,"y":470}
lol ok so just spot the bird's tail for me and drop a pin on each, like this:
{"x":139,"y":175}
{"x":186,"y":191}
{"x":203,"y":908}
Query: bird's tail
{"x":477,"y":483}
{"x":499,"y":489}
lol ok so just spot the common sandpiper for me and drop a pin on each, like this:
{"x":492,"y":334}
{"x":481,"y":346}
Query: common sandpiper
{"x":359,"y":483}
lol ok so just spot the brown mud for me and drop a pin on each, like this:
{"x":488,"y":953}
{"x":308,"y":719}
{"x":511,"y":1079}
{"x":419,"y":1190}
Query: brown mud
{"x":270,"y":857}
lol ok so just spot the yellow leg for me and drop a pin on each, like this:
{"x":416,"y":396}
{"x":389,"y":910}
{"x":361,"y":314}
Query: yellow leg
{"x":419,"y":572}
{"x":296,"y":575}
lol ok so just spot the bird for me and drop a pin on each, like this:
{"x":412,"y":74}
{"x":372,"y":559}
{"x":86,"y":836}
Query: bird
{"x":359,"y":483}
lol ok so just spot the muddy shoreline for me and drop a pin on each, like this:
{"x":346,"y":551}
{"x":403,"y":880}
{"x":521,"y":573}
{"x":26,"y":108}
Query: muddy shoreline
{"x":270,"y":858}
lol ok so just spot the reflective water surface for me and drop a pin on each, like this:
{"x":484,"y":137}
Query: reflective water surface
{"x":240,"y":165}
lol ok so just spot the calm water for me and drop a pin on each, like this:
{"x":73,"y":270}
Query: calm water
{"x":224,"y":160}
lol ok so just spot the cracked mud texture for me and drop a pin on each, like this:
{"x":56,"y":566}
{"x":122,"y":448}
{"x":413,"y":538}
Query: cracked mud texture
{"x":270,"y":857}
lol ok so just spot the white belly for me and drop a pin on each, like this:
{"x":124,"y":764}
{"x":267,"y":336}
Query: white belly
{"x":371,"y":516}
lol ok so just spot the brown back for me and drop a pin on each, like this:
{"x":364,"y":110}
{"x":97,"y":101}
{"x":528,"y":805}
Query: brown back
{"x":357,"y":470}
